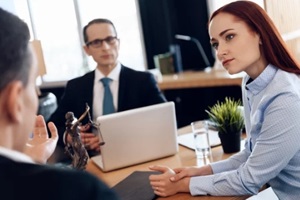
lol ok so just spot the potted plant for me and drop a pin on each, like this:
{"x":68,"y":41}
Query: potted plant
{"x":229,"y":122}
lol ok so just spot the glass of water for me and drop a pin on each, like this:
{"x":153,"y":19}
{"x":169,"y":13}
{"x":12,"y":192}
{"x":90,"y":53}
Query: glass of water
{"x":201,"y":139}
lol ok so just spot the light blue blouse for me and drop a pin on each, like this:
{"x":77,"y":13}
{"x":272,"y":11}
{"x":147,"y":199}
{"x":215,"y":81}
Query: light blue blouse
{"x":272,"y":151}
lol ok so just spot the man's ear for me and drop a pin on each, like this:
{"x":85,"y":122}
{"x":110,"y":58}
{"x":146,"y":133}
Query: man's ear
{"x":13,"y":101}
{"x":87,"y":50}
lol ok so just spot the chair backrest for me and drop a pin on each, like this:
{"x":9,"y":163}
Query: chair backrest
{"x":47,"y":104}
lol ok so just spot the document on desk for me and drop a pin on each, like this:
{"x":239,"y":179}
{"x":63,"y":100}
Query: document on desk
{"x":136,"y":186}
{"x":265,"y":194}
{"x":187,"y":140}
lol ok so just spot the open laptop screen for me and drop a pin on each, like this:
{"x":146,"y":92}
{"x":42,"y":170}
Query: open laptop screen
{"x":138,"y":135}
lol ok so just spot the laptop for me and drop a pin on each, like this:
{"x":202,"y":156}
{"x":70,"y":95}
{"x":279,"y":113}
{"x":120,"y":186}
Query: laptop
{"x":135,"y":136}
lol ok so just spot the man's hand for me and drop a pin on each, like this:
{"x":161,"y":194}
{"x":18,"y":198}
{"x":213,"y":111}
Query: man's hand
{"x":40,"y":147}
{"x":89,"y":140}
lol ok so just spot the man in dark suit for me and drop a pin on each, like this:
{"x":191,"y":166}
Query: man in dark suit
{"x":24,"y":142}
{"x":130,"y":88}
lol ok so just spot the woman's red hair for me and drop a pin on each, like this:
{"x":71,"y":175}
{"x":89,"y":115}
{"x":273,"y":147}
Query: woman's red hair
{"x":273,"y":46}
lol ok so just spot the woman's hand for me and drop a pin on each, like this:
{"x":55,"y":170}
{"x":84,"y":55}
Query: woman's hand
{"x":190,"y":171}
{"x":162,"y":185}
{"x":40,"y":147}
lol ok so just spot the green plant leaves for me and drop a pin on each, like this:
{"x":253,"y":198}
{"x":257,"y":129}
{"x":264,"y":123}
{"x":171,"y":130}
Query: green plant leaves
{"x":227,"y":116}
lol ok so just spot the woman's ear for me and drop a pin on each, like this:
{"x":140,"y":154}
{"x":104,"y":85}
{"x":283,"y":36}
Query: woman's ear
{"x":13,"y":102}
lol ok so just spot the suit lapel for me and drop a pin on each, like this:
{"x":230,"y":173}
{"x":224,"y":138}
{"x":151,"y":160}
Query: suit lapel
{"x":122,"y":88}
{"x":89,"y":88}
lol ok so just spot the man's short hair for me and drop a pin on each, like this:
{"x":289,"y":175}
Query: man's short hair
{"x":96,"y":21}
{"x":15,"y":56}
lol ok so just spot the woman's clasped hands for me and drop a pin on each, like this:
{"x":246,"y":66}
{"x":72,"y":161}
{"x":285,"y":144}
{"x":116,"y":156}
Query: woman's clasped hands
{"x":173,"y":181}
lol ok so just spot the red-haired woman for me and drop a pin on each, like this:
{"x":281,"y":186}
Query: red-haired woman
{"x":245,"y":39}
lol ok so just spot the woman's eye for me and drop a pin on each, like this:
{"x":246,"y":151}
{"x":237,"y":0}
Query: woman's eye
{"x":214,"y":45}
{"x":229,"y":37}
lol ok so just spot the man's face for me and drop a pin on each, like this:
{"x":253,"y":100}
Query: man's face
{"x":106,"y":54}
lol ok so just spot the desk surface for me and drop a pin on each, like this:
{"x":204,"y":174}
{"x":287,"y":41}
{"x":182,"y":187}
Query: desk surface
{"x":196,"y":79}
{"x":185,"y":157}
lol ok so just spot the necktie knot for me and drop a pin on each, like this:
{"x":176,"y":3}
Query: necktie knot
{"x":105,"y":81}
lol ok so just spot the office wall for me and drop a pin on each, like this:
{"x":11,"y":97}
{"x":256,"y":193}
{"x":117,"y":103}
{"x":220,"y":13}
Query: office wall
{"x":288,"y":22}
{"x":7,"y":5}
{"x":163,"y":19}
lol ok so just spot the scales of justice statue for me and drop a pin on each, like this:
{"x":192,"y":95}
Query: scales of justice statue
{"x":75,"y":149}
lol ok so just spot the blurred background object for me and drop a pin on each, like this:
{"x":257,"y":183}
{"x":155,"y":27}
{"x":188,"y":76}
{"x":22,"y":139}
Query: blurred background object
{"x":47,"y":100}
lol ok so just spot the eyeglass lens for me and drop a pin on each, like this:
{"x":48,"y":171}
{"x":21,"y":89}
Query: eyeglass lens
{"x":98,"y":42}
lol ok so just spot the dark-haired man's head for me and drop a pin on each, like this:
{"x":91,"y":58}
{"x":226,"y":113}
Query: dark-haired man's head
{"x":102,"y":43}
{"x":18,"y":98}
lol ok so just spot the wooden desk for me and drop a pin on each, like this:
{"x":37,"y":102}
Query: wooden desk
{"x":196,"y":79}
{"x":185,"y":157}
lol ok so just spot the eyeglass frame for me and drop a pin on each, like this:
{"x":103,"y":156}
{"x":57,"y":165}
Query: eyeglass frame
{"x":110,"y":40}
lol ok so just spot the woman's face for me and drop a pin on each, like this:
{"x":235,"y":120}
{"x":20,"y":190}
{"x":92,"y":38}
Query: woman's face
{"x":237,"y":46}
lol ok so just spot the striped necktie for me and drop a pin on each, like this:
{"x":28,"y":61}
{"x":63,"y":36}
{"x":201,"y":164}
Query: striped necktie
{"x":108,"y":105}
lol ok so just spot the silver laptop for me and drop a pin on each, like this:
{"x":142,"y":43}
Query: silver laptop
{"x":136,"y":136}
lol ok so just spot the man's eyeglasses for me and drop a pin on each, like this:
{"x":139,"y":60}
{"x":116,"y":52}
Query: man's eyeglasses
{"x":110,"y":40}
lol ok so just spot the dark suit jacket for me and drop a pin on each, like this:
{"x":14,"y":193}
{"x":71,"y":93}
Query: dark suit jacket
{"x":36,"y":182}
{"x":136,"y":89}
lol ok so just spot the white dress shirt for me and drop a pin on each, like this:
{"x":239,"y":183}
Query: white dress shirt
{"x":15,"y":155}
{"x":98,"y":94}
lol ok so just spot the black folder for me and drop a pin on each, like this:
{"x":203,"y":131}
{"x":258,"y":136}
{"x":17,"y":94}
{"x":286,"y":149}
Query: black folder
{"x":136,"y":186}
